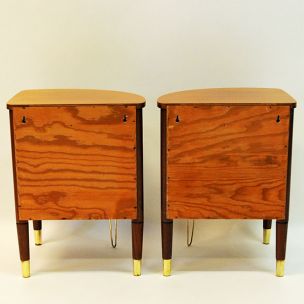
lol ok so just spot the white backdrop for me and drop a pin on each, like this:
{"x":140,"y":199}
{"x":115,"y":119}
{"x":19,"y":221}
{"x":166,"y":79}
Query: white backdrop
{"x":151,"y":48}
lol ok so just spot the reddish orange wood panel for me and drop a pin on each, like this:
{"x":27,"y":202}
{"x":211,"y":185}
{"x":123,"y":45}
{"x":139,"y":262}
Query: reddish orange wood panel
{"x":75,"y":162}
{"x":227,"y":161}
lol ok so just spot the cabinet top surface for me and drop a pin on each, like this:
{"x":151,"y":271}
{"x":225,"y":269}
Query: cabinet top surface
{"x":240,"y":96}
{"x":58,"y":97}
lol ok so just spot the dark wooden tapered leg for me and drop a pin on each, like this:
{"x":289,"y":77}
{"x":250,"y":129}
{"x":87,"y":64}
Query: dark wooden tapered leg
{"x":137,"y":240}
{"x":167,"y":236}
{"x":281,"y":239}
{"x":22,"y":226}
{"x":37,"y":225}
{"x":137,"y":243}
{"x":24,"y":249}
{"x":282,"y":225}
{"x":266,"y":231}
{"x":166,"y":224}
{"x":138,"y":223}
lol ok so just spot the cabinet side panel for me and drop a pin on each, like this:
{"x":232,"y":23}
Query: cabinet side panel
{"x":227,"y":161}
{"x":11,"y":115}
{"x":76,"y":162}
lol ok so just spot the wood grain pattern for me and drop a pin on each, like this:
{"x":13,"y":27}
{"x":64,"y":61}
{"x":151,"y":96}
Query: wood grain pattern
{"x":240,"y":96}
{"x":227,"y":161}
{"x":53,"y":97}
{"x":75,"y":162}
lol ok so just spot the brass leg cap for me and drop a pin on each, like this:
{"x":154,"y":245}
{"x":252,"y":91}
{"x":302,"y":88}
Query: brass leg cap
{"x":26,"y":272}
{"x":266,"y":236}
{"x":166,"y":268}
{"x":38,"y":238}
{"x":137,"y":267}
{"x":280,"y":268}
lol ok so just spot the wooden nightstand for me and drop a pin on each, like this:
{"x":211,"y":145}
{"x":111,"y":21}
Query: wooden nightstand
{"x":77,"y":155}
{"x":226,"y":154}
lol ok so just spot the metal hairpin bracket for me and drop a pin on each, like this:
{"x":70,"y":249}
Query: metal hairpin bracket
{"x":113,"y":241}
{"x":189,"y":242}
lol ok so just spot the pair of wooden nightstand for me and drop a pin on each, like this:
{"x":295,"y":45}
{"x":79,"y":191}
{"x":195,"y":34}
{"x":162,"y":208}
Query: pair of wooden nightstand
{"x":78,"y":154}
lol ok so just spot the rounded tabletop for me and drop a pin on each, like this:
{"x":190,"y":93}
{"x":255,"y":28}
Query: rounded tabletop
{"x":238,"y":96}
{"x":61,"y":97}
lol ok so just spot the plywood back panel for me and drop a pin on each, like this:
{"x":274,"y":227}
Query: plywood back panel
{"x":75,"y":162}
{"x":227,"y":161}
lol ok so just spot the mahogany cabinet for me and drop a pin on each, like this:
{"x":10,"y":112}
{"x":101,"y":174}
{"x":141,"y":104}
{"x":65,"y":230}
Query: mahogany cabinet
{"x":226,"y":154}
{"x":77,"y":155}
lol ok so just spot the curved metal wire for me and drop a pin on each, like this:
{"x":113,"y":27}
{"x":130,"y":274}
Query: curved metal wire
{"x":113,"y":241}
{"x":189,"y":242}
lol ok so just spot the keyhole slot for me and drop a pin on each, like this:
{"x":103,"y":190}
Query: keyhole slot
{"x":125,"y":118}
{"x":278,"y":119}
{"x":23,"y":119}
{"x":177,"y":119}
